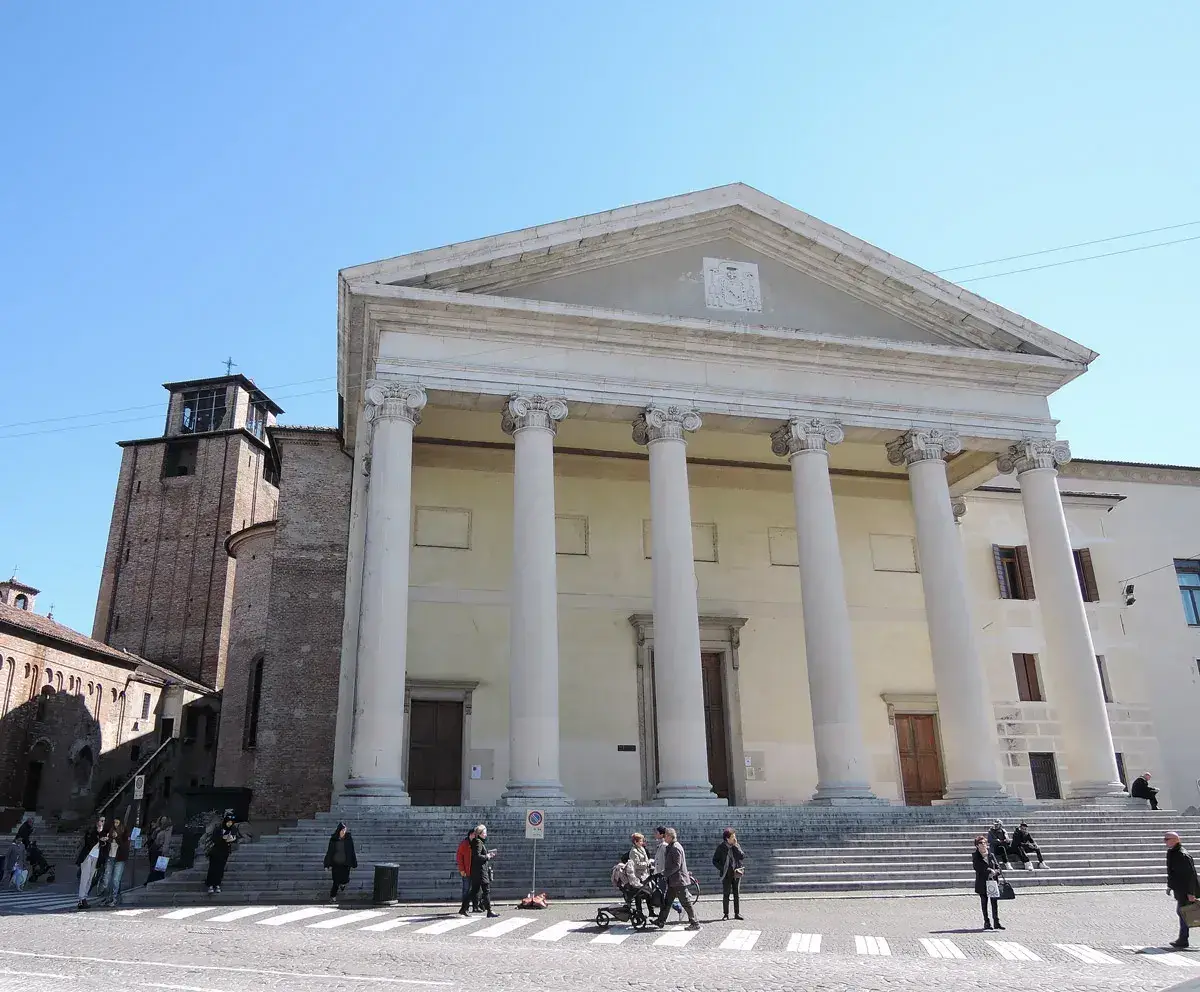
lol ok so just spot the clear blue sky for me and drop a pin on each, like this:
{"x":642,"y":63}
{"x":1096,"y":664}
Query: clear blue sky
{"x":182,"y":182}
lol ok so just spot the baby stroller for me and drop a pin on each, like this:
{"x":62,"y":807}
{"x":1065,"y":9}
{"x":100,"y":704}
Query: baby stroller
{"x":633,"y":910}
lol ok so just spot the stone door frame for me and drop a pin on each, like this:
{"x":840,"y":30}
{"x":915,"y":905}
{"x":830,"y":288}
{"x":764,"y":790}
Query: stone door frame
{"x":915,"y":704}
{"x":719,"y":635}
{"x":441,"y":690}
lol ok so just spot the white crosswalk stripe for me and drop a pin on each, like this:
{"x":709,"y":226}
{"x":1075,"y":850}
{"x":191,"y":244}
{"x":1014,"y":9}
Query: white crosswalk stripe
{"x":345,"y":919}
{"x":1172,"y":959}
{"x":1087,"y":954}
{"x":615,"y":935}
{"x":1012,"y":951}
{"x":805,"y":943}
{"x":241,"y":914}
{"x":677,"y":936}
{"x":503,"y":927}
{"x":559,"y":930}
{"x":183,"y":914}
{"x":13,"y":902}
{"x":741,"y":940}
{"x":399,"y":921}
{"x":939,"y":947}
{"x":305,"y":913}
{"x":872,"y":946}
{"x":130,"y":912}
{"x":445,"y":926}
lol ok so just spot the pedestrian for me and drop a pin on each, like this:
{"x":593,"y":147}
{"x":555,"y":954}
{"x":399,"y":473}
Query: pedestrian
{"x":1023,"y":843}
{"x":729,"y":860}
{"x":1141,"y":789}
{"x":93,"y":852}
{"x":159,"y":847}
{"x":462,"y":858}
{"x":481,"y":874}
{"x":224,"y":835}
{"x":678,"y":880}
{"x":340,"y":859}
{"x":660,"y":871}
{"x":1181,"y":883}
{"x":114,"y":867}
{"x":998,"y":841}
{"x":639,"y":857}
{"x":987,"y":881}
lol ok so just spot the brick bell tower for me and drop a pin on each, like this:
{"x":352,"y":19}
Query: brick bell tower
{"x":166,"y":591}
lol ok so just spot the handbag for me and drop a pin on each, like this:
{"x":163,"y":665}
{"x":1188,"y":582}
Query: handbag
{"x":993,"y":888}
{"x":1006,"y":890}
{"x":1190,"y":913}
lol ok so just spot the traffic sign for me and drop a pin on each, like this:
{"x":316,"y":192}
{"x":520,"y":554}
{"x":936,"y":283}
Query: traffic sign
{"x":535,"y":825}
{"x":139,"y":786}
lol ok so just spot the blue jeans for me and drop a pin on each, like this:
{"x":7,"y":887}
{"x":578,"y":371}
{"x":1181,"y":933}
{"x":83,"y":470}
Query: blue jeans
{"x":110,"y":887}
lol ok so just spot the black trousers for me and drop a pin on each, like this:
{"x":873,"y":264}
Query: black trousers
{"x":983,"y":905}
{"x":477,"y":896}
{"x":1000,"y":852}
{"x":1153,"y":797}
{"x":685,"y":900}
{"x":216,"y":867}
{"x":731,"y":885}
{"x":1020,"y":853}
{"x":1184,"y":929}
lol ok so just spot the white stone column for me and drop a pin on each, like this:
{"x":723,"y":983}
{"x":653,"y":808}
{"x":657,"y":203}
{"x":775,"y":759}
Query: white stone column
{"x":1070,"y":654}
{"x":965,"y":712}
{"x":533,"y":775}
{"x":377,"y":737}
{"x":678,"y":679}
{"x":842,"y":768}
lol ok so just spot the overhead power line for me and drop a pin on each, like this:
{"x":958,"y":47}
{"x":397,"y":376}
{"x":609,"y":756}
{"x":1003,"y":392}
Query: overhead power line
{"x":1086,"y":258}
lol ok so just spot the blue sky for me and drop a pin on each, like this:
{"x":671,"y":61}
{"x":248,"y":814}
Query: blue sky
{"x":182,"y":182}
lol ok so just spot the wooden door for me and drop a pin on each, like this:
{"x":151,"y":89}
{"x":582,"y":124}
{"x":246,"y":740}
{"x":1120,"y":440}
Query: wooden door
{"x":714,"y":723}
{"x":920,"y":758}
{"x":435,"y":752}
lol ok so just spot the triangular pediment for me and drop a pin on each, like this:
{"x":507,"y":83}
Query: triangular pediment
{"x":729,"y":254}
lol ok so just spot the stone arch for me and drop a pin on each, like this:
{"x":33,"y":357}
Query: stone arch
{"x":82,"y":759}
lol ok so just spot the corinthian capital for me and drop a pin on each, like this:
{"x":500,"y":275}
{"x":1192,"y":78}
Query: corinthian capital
{"x":657,"y":423}
{"x":543,"y":412}
{"x":1031,"y":453}
{"x":921,"y":445}
{"x":391,"y":400}
{"x":806,"y":435}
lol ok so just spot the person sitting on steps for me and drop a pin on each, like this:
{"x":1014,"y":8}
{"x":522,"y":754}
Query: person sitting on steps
{"x":1022,"y":843}
{"x":1141,"y":790}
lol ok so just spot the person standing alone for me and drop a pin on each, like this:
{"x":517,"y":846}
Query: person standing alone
{"x":224,"y":835}
{"x":678,"y":879}
{"x":1181,"y":883}
{"x":340,"y":858}
{"x":987,"y":882}
{"x":729,"y":859}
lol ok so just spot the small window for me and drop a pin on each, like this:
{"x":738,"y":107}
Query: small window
{"x":145,"y":705}
{"x":135,"y":754}
{"x":179,"y":458}
{"x":1029,"y":687}
{"x":21,"y":602}
{"x":191,"y":725}
{"x":1188,"y":573}
{"x":250,"y":739}
{"x":1107,"y":689}
{"x":1013,"y":572}
{"x":1086,"y":574}
{"x":256,"y":419}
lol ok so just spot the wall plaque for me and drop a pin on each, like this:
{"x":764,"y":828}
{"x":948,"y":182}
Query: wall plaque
{"x":730,"y":285}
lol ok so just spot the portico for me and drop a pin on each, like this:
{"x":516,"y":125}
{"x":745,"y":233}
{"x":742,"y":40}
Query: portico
{"x":679,"y":374}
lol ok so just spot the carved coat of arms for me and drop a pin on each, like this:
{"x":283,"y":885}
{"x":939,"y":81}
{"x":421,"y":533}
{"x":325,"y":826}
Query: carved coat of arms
{"x":730,"y":285}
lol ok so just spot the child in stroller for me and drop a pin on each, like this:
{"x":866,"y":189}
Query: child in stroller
{"x":639,"y":897}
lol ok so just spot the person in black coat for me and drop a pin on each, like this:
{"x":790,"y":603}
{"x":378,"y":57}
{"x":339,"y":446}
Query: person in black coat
{"x":481,"y":874}
{"x":224,"y":835}
{"x":340,"y":858}
{"x":1181,"y":883}
{"x":986,"y":868}
{"x":1140,"y":789}
{"x":92,"y":857}
{"x":729,"y":859}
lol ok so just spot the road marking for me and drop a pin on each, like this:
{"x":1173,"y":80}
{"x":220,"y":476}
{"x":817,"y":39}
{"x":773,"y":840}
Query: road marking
{"x":307,"y":913}
{"x":1160,"y":954}
{"x":1012,"y":951}
{"x":615,"y":935}
{"x":130,"y":912}
{"x":178,"y":988}
{"x":940,"y":947}
{"x":559,"y":930}
{"x":445,"y":926}
{"x":805,"y":943}
{"x":677,"y":936}
{"x":503,"y":927}
{"x":1087,"y":954}
{"x":345,"y":919}
{"x":227,"y":969}
{"x":38,"y":974}
{"x":183,"y":914}
{"x":241,"y":914}
{"x":871,"y":945}
{"x":399,"y":921}
{"x":740,"y":940}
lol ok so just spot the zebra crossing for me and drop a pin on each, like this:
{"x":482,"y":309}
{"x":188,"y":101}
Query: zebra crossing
{"x":709,"y":938}
{"x":14,"y":903}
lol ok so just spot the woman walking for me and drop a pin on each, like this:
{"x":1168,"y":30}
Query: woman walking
{"x":987,"y":877}
{"x":340,"y":859}
{"x":481,"y":874}
{"x":159,"y":847}
{"x":224,"y":835}
{"x":729,"y":860}
{"x":93,"y":853}
{"x":114,"y":868}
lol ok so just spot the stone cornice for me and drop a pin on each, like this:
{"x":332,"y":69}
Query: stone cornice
{"x":811,"y":434}
{"x":1177,"y":475}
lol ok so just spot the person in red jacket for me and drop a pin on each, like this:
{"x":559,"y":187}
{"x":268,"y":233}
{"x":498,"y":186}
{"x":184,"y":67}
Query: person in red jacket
{"x":463,"y":857}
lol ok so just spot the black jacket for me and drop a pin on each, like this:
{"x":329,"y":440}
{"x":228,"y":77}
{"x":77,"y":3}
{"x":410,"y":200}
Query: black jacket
{"x":998,"y":835}
{"x":481,"y":869}
{"x":218,"y":844}
{"x":733,"y":854}
{"x":1141,"y":789}
{"x":1181,"y":874}
{"x":91,"y":837}
{"x":985,"y":868}
{"x":1021,"y":838}
{"x":351,"y":859}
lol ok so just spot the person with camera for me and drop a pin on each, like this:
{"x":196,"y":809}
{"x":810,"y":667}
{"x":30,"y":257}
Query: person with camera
{"x":729,"y":860}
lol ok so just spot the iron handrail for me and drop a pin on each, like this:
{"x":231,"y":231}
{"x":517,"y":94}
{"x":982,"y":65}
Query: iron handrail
{"x":141,"y":768}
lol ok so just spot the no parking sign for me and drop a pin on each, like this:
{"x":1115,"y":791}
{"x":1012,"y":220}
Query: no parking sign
{"x":535,"y":824}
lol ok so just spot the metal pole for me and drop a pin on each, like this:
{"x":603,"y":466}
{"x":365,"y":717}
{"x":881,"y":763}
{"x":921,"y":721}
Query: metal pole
{"x":534,"y":886}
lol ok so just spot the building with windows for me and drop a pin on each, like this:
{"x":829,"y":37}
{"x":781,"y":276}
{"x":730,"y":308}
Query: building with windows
{"x":697,"y":501}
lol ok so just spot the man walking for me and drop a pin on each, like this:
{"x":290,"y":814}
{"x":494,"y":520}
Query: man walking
{"x":1140,"y":789}
{"x":1181,"y":883}
{"x":678,"y":879}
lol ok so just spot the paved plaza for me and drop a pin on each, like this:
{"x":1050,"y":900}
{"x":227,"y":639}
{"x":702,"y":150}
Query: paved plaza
{"x":1063,"y":940}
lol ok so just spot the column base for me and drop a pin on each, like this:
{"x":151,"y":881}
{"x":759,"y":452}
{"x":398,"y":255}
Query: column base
{"x":531,"y":794}
{"x":842,"y":802}
{"x":1101,"y":792}
{"x":687,"y":795}
{"x":976,"y":793}
{"x":844,"y":793}
{"x":360,"y":792}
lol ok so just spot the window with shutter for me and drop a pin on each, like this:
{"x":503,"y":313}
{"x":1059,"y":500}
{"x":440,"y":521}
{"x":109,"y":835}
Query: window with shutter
{"x":1105,"y":687}
{"x":1001,"y":571}
{"x":1029,"y":689}
{"x":1013,"y":573}
{"x":1026,"y":573}
{"x":1087,"y":575}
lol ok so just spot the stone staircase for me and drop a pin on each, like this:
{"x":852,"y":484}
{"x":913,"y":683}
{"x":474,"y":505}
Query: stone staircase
{"x":789,"y":850}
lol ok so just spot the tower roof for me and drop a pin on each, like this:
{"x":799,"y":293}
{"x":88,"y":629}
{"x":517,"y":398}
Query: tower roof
{"x":256,"y":394}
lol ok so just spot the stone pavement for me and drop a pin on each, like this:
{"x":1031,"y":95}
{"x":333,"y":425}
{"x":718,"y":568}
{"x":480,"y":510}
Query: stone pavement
{"x":1064,"y":941}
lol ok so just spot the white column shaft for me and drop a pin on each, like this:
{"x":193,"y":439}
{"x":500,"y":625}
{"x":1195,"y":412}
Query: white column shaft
{"x":1071,"y":664}
{"x":842,"y":770}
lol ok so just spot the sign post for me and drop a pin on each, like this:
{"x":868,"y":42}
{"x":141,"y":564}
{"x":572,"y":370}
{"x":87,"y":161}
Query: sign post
{"x":535,"y":830}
